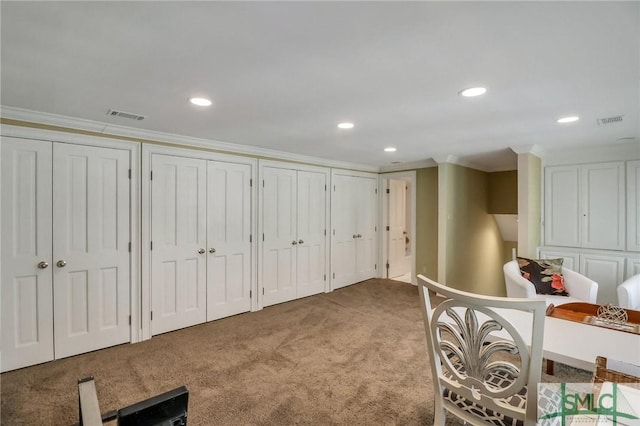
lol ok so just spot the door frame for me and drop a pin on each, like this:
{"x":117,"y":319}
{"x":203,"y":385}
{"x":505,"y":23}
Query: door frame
{"x":409,"y":175}
{"x":148,"y":149}
{"x":297,"y":167}
{"x":134,"y":198}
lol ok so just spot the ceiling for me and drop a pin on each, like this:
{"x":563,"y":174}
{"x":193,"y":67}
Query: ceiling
{"x":282,"y":75}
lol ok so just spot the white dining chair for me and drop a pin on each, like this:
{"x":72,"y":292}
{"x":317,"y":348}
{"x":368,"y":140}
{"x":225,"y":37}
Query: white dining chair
{"x":480,"y":377}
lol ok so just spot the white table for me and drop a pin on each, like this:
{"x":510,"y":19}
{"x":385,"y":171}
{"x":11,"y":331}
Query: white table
{"x":571,"y":343}
{"x":578,"y":344}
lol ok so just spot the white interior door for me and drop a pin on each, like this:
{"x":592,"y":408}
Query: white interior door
{"x":278,"y":268}
{"x":397,"y":228}
{"x":26,"y":290}
{"x":311,"y":220}
{"x":344,"y":224}
{"x":91,"y":235}
{"x":366,"y":208}
{"x":228,"y":239}
{"x":178,"y":234}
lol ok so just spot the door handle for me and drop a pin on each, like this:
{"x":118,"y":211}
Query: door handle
{"x":61,"y":263}
{"x":212,"y":250}
{"x":355,"y":236}
{"x":201,"y":251}
{"x":359,"y":236}
{"x":300,"y":242}
{"x":294,"y":242}
{"x":43,"y":265}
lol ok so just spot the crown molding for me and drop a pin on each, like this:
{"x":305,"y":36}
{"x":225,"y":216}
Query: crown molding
{"x":413,"y":165}
{"x":30,"y":116}
{"x":504,"y":168}
{"x":614,"y":151}
{"x":150,"y":136}
{"x":453,"y":159}
{"x":536,"y":150}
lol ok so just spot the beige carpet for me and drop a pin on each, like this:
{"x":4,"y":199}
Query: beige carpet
{"x":353,"y":356}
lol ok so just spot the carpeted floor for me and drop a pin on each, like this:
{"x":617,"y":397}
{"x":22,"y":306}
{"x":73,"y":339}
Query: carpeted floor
{"x":353,"y":356}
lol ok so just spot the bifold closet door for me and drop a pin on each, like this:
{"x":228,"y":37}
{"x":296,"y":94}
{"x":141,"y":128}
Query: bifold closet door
{"x":27,"y":290}
{"x":90,"y":248}
{"x":228,"y":239}
{"x":278,"y":266}
{"x":311,"y":220}
{"x":178,"y":236}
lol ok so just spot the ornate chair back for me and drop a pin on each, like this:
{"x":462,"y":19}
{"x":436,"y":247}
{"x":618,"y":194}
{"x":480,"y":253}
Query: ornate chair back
{"x":483,"y":371}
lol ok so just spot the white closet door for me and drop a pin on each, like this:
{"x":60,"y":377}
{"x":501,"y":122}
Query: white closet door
{"x":27,"y":299}
{"x":607,"y":271}
{"x":343,"y":222}
{"x":228,"y":239}
{"x":562,"y":206}
{"x":366,"y":223}
{"x":178,"y":234}
{"x":312,"y":198}
{"x":633,"y":206}
{"x":279,"y":233}
{"x":603,"y":206}
{"x":397,"y":227}
{"x":90,"y":248}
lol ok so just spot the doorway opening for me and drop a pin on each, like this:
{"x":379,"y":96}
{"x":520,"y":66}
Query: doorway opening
{"x":399,"y":226}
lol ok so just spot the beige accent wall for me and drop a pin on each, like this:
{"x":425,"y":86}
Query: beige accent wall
{"x":503,"y":192}
{"x":503,"y":199}
{"x":426,"y":257}
{"x":507,"y":247}
{"x":529,"y":204}
{"x":474,"y":246}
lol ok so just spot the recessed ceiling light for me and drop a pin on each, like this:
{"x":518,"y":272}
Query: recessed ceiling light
{"x":200,"y":101}
{"x":569,"y":119}
{"x":390,"y":149}
{"x":473,"y":91}
{"x":345,"y":125}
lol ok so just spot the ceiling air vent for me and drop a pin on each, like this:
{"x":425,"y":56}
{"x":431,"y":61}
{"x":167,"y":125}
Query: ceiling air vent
{"x":123,"y":114}
{"x":609,"y":120}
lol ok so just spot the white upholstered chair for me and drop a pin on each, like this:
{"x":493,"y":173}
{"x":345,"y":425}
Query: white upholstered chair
{"x":479,"y":377}
{"x":629,"y":293}
{"x":579,"y":287}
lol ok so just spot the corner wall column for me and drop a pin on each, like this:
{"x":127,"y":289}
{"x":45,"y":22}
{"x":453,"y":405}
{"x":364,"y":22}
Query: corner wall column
{"x":529,"y":200}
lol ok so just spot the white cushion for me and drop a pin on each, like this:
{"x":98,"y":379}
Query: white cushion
{"x":629,"y":293}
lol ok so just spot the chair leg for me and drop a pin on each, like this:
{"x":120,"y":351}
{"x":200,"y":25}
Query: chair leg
{"x":439,"y":415}
{"x":439,"y":418}
{"x":549,"y":367}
